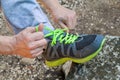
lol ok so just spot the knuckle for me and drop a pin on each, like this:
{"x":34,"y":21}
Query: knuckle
{"x":41,"y":33}
{"x":28,"y":38}
{"x":31,"y":46}
{"x":41,"y":52}
{"x":44,"y":41}
{"x":73,"y":14}
{"x":23,"y":33}
{"x":27,"y":28}
{"x":25,"y":37}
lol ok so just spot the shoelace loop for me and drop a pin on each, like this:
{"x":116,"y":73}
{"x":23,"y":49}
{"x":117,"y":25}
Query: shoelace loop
{"x":59,"y":35}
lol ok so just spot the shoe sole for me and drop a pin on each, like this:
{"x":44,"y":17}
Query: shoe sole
{"x":82,"y":60}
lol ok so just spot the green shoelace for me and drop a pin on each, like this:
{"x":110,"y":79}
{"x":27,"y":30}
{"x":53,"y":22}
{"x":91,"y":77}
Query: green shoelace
{"x":58,"y":35}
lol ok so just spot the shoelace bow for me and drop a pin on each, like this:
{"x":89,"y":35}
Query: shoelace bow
{"x":58,"y":35}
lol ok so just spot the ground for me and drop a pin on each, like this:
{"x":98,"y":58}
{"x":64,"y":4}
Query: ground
{"x":94,"y":17}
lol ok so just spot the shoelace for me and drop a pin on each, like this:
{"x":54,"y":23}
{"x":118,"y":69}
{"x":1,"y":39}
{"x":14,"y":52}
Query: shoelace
{"x":59,"y":35}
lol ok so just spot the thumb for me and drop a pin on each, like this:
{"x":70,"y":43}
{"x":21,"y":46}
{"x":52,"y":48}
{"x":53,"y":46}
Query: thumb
{"x":35,"y":29}
{"x":39,"y":27}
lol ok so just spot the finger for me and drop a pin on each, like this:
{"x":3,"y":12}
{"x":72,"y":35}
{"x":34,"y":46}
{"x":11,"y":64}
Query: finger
{"x":69,"y":22}
{"x":39,"y":27}
{"x":74,"y":21}
{"x":36,"y":36}
{"x":39,"y":53}
{"x":36,"y":44}
{"x":63,"y":26}
{"x":37,"y":50}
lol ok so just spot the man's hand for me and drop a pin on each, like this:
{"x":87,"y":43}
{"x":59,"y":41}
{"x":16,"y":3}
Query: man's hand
{"x":30,"y":43}
{"x":66,"y":18}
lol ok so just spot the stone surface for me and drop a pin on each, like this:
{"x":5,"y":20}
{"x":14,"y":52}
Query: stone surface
{"x":94,"y":17}
{"x":28,"y":61}
{"x":67,"y":67}
{"x":105,"y":66}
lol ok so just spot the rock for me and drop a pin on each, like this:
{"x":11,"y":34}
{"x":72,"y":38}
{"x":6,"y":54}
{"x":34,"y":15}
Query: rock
{"x":27,"y":61}
{"x":105,"y":66}
{"x":66,"y":67}
{"x":3,"y":66}
{"x":104,"y":14}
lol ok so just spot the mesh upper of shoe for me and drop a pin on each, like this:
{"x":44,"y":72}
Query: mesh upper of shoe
{"x":82,"y":47}
{"x":61,"y":45}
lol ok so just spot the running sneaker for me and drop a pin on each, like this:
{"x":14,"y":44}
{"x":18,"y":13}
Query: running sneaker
{"x":63,"y":47}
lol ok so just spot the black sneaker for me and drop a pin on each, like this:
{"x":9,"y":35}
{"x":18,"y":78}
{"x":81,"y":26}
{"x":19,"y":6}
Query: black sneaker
{"x":63,"y":47}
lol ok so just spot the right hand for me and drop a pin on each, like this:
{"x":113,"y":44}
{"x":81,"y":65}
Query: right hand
{"x":30,"y":43}
{"x":66,"y":18}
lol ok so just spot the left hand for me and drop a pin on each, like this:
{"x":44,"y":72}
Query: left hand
{"x":66,"y":18}
{"x":29,"y":43}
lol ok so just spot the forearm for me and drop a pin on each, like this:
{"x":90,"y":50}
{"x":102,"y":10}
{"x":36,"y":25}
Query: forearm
{"x":6,"y":45}
{"x":51,"y":4}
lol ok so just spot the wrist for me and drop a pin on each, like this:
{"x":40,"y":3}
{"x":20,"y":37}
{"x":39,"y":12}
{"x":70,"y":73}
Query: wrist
{"x":51,"y":5}
{"x":7,"y":45}
{"x":13,"y":44}
{"x":55,"y":7}
{"x":11,"y":41}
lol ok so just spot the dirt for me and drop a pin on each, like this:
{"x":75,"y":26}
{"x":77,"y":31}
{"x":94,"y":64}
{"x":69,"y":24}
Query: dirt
{"x":94,"y":17}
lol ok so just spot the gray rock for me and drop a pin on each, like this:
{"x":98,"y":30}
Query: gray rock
{"x":27,"y":61}
{"x":105,"y":66}
{"x":66,"y":67}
